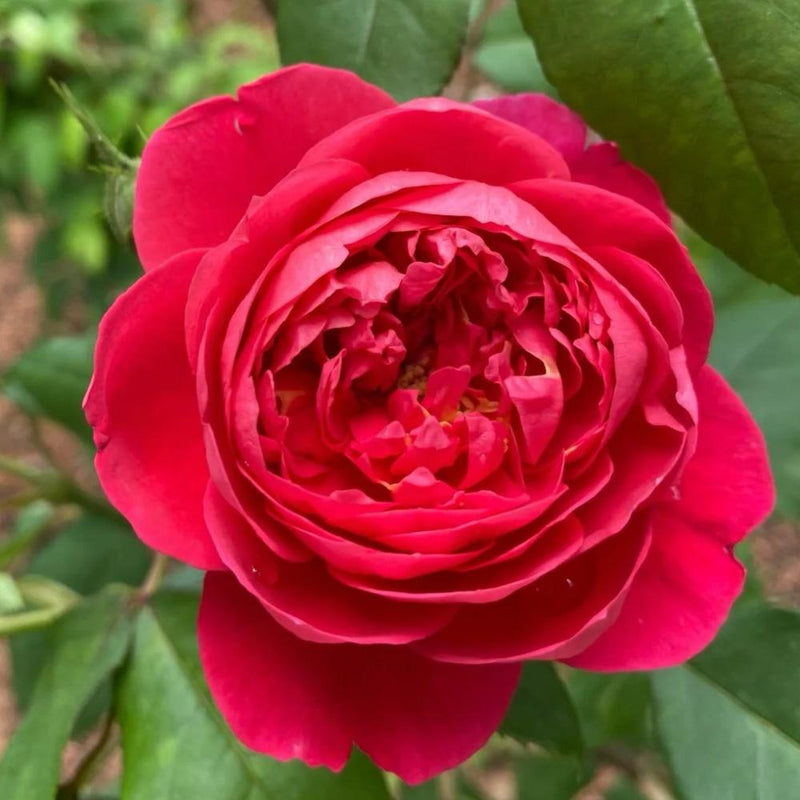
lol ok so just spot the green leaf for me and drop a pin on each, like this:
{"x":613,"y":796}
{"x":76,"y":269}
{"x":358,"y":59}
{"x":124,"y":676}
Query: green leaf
{"x":10,"y":596}
{"x":704,"y":95}
{"x":624,"y":789}
{"x":729,"y":719}
{"x":408,"y":47}
{"x":180,"y":746}
{"x":91,"y":642}
{"x":542,"y":711}
{"x":50,"y":380}
{"x":43,"y":602}
{"x":86,"y":555}
{"x":507,"y":56}
{"x":756,"y":347}
{"x":612,"y":708}
{"x":30,"y":523}
{"x":550,"y":777}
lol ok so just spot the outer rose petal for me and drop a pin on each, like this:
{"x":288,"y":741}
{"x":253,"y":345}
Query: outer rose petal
{"x":727,"y":487}
{"x":601,"y":165}
{"x":296,"y":699}
{"x":677,"y":602}
{"x":200,"y":170}
{"x":433,"y":134}
{"x":689,"y":580}
{"x":545,"y":117}
{"x":142,"y":405}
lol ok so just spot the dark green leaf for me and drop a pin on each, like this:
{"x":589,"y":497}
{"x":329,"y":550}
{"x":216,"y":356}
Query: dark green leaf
{"x":550,"y":777}
{"x":179,"y":747}
{"x":507,"y":56}
{"x":88,"y":554}
{"x":730,"y":719}
{"x":90,"y":642}
{"x":425,"y":791}
{"x":624,"y":789}
{"x":542,"y":711}
{"x":51,"y":379}
{"x":408,"y":47}
{"x":704,"y":95}
{"x":612,"y":708}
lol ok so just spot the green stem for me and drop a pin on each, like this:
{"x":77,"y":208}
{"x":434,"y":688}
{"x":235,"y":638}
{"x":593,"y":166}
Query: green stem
{"x":50,"y":599}
{"x":55,"y":487}
{"x":107,"y":152}
{"x":155,"y":575}
{"x":446,"y":784}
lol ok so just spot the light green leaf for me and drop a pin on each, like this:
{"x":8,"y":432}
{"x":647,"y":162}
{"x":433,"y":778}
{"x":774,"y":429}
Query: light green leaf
{"x":408,"y":47}
{"x":91,"y":642}
{"x":730,"y":718}
{"x":542,"y":711}
{"x":10,"y":596}
{"x":180,"y":747}
{"x":50,"y":380}
{"x":507,"y":57}
{"x":705,"y":95}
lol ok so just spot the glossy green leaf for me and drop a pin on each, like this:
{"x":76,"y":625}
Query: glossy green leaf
{"x":408,"y":47}
{"x":705,"y":95}
{"x":507,"y":57}
{"x":549,"y":777}
{"x":180,"y":747}
{"x":730,"y":718}
{"x":50,"y":380}
{"x":612,"y":707}
{"x":90,"y":643}
{"x":86,"y":555}
{"x":756,"y":347}
{"x":542,"y":711}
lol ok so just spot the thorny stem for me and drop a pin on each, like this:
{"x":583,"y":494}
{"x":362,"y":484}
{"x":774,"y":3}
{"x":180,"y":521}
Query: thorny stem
{"x":107,"y":152}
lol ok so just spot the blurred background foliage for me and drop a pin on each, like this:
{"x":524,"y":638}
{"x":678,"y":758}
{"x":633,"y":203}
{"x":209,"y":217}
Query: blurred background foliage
{"x":131,"y":64}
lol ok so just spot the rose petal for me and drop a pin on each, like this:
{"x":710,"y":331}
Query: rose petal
{"x":305,"y":598}
{"x":418,"y":136}
{"x":541,"y":115}
{"x":296,"y":699}
{"x":555,"y":617}
{"x":142,"y":405}
{"x":200,"y":170}
{"x":727,"y":487}
{"x":676,"y":603}
{"x":601,"y":165}
{"x":595,"y":217}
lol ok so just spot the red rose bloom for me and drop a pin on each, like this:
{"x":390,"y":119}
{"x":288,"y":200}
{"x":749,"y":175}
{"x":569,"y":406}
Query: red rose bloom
{"x":423,"y":388}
